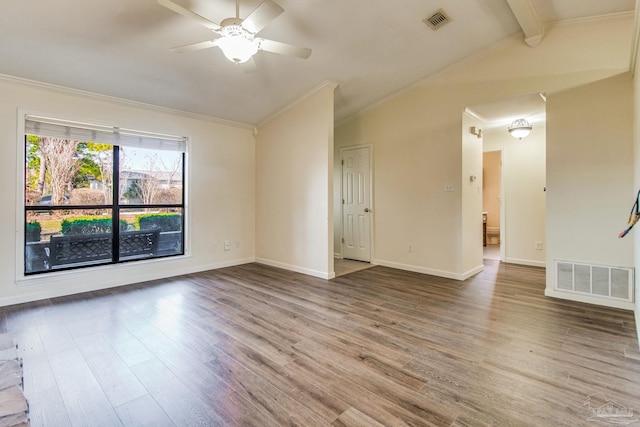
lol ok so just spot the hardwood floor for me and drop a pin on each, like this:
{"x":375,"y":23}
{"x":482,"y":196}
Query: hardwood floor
{"x":257,"y":346}
{"x":491,"y":252}
{"x":348,"y":266}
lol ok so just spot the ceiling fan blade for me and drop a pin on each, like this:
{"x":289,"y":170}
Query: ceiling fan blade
{"x":249,"y":66}
{"x":262,"y":16}
{"x":284,"y":48}
{"x":195,"y":46}
{"x":189,"y":14}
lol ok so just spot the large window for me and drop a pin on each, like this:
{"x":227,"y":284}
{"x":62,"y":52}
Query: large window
{"x":98,"y":195}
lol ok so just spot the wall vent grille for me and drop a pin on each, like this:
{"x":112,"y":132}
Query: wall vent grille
{"x":437,"y":19}
{"x":594,"y":280}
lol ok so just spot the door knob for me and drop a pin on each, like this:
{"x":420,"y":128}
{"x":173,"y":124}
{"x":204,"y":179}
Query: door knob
{"x":367,"y":210}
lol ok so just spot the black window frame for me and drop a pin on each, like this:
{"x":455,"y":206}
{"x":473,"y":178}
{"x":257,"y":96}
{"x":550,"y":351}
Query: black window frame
{"x":115,"y":207}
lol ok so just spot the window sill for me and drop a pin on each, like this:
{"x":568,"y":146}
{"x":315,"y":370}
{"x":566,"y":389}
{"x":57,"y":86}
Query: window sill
{"x":99,"y":270}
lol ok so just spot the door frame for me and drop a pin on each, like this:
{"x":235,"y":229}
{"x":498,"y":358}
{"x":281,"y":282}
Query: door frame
{"x":371,"y":199}
{"x":503,"y":210}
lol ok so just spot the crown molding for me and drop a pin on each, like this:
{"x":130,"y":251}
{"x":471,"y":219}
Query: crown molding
{"x":517,"y":38}
{"x":326,"y":84}
{"x":513,"y":39}
{"x":589,"y":19}
{"x":120,"y":101}
{"x":475,"y":115}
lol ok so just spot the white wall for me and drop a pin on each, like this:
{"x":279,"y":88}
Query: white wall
{"x":294,"y":183}
{"x":590,"y":174}
{"x":417,"y":151}
{"x":636,"y":163}
{"x":523,"y":183}
{"x":417,"y":143}
{"x":220,"y":185}
{"x":471,"y":243}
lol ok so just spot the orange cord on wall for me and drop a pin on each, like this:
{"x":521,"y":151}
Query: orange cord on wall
{"x":634,"y":216}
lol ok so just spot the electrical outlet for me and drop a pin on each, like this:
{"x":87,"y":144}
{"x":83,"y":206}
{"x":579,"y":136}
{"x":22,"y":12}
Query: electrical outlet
{"x":448,"y":187}
{"x":227,"y":245}
{"x":539,"y":246}
{"x":410,"y":250}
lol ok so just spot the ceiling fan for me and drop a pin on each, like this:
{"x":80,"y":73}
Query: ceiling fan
{"x":237,"y":37}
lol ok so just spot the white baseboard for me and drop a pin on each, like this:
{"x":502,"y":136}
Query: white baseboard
{"x":636,"y":308}
{"x":637,"y":317}
{"x":118,"y":275}
{"x":337,"y":255}
{"x":625,"y":305}
{"x":297,"y":269}
{"x":429,"y":271}
{"x":528,"y":262}
{"x":473,"y":272}
{"x":222,"y":264}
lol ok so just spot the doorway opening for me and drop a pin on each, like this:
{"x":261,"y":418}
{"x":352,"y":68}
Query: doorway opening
{"x":491,"y":204}
{"x":515,"y":179}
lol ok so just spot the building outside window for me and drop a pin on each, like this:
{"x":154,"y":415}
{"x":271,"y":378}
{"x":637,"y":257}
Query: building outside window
{"x":98,"y":195}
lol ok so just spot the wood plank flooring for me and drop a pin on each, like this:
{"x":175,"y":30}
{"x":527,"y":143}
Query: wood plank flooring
{"x":257,"y":346}
{"x":348,"y":266}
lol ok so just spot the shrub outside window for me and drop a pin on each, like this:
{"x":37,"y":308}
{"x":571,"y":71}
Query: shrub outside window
{"x":100,"y":195}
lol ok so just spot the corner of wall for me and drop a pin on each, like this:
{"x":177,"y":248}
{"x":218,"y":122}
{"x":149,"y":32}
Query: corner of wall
{"x":636,"y":159}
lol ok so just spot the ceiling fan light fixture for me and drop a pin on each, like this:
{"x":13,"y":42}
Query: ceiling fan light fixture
{"x":237,"y":44}
{"x":520,"y":128}
{"x":236,"y":37}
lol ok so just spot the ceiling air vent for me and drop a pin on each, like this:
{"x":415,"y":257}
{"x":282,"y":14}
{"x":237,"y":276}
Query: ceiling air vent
{"x":437,"y":19}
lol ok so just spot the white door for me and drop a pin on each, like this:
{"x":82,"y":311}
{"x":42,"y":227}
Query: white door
{"x":356,"y":204}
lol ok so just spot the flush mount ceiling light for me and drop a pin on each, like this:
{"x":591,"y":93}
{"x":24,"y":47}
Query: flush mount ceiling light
{"x":520,"y":128}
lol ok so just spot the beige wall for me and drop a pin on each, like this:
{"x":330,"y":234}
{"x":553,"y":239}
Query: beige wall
{"x":491,"y":188}
{"x":636,"y":180}
{"x":418,"y":151}
{"x":418,"y":148}
{"x":220,"y":203}
{"x":471,"y":189}
{"x":524,"y":181}
{"x":590,"y":173}
{"x":294,"y":182}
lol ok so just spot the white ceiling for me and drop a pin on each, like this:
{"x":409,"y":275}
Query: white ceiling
{"x":371,"y":48}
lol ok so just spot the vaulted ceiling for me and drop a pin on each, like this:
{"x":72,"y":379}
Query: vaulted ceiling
{"x":370,"y":48}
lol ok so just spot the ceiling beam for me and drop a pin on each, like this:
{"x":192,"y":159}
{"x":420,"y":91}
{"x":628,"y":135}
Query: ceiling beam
{"x":526,"y":15}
